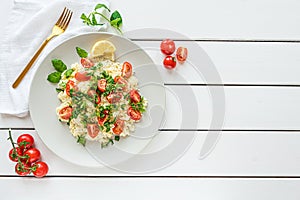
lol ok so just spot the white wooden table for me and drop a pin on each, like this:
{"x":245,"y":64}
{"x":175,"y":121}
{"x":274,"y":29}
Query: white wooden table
{"x":255,"y":48}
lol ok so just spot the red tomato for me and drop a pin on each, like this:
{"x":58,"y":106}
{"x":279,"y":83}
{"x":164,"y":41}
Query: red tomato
{"x":134,"y":114}
{"x":169,"y":62}
{"x":86,"y":63}
{"x":102,"y":85}
{"x":22,"y":171}
{"x":13,"y":156}
{"x":122,"y":81}
{"x":33,"y":155}
{"x":65,"y":113}
{"x":93,"y":130}
{"x":40,"y":169}
{"x":101,"y":121}
{"x":93,"y":94}
{"x":126,"y":70}
{"x":118,"y":127}
{"x":167,"y":46}
{"x":135,"y":96}
{"x":181,"y":54}
{"x":70,"y":85}
{"x":114,"y":97}
{"x":82,"y":76}
{"x":25,"y":141}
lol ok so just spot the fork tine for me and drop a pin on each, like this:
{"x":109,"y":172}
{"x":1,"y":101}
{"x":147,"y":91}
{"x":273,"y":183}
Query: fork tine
{"x":61,"y":16}
{"x":64,"y":18}
{"x":67,"y":22}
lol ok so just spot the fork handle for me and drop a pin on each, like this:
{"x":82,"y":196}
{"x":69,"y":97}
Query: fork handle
{"x":28,"y":66}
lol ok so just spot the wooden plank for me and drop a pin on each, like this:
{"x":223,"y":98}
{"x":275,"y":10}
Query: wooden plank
{"x":202,"y":19}
{"x":145,"y":188}
{"x":237,"y":153}
{"x":236,"y":63}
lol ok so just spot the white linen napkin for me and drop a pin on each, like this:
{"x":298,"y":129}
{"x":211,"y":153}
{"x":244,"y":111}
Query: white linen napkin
{"x":30,"y":23}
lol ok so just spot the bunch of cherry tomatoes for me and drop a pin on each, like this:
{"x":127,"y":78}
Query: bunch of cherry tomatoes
{"x":27,"y":156}
{"x":167,"y":47}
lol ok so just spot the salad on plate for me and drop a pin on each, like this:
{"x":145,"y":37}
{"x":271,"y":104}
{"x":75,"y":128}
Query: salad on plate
{"x":100,"y":100}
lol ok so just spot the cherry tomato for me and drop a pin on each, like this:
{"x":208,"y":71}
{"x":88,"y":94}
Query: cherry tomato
{"x":122,"y":81}
{"x":86,"y":63}
{"x":102,"y":85}
{"x":65,"y":113}
{"x":25,"y":141}
{"x":82,"y":76}
{"x":40,"y":169}
{"x":93,"y":94}
{"x":126,"y":70}
{"x":134,"y":114}
{"x":102,"y":120}
{"x":93,"y":130}
{"x":181,"y":54}
{"x":33,"y":155}
{"x":169,"y":62}
{"x":167,"y":46}
{"x":70,"y":85}
{"x":114,"y":97}
{"x":118,"y":127}
{"x":135,"y":96}
{"x":13,"y":156}
{"x":22,"y":171}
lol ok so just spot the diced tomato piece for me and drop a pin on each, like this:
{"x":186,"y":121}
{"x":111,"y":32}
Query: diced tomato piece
{"x":86,"y":63}
{"x":82,"y":76}
{"x":118,"y":127}
{"x":134,"y":114}
{"x":65,"y":113}
{"x":102,"y":85}
{"x":93,"y":130}
{"x":135,"y":96}
{"x":126,"y":70}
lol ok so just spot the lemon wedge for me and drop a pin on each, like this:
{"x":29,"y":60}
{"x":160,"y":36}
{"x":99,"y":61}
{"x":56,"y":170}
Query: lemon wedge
{"x":103,"y":49}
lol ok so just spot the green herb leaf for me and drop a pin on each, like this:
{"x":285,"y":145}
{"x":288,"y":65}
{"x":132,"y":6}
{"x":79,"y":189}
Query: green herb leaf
{"x":81,"y":52}
{"x":116,"y":19}
{"x":85,"y":19}
{"x":58,"y":90}
{"x":68,"y":73}
{"x":59,"y":65}
{"x":54,"y":77}
{"x":94,"y":21}
{"x":117,"y":137}
{"x":99,"y":5}
{"x":81,"y":140}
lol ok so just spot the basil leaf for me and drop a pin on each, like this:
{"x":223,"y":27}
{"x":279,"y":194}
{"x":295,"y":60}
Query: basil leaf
{"x":100,"y":5}
{"x":54,"y":77}
{"x":116,"y":19}
{"x":81,"y":52}
{"x":68,"y":73}
{"x":59,"y":65}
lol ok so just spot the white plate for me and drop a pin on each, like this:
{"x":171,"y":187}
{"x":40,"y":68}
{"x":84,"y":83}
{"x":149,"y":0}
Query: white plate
{"x":56,"y":135}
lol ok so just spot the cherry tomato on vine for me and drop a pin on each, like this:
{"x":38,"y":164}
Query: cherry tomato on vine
{"x":33,"y":155}
{"x":170,"y":62}
{"x":25,"y":141}
{"x":22,"y":169}
{"x":13,"y":156}
{"x":167,"y":46}
{"x":40,"y":169}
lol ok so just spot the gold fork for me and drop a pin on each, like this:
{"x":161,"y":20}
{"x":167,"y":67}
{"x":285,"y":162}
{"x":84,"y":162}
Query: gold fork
{"x":60,"y":27}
